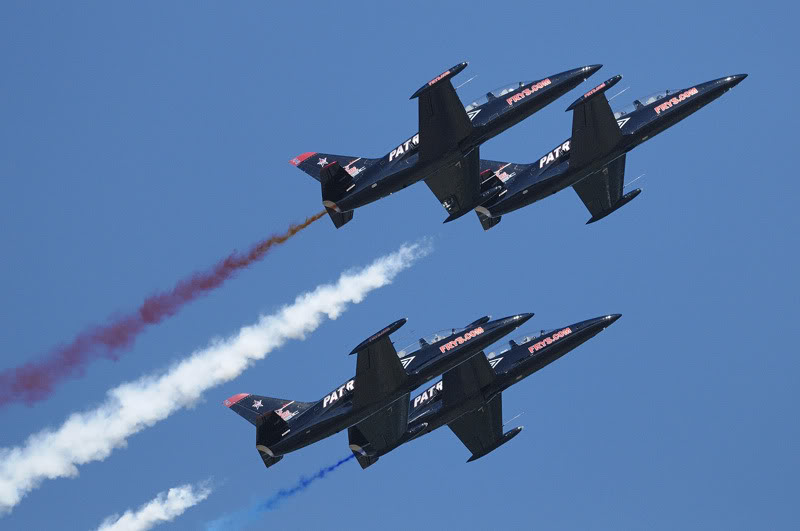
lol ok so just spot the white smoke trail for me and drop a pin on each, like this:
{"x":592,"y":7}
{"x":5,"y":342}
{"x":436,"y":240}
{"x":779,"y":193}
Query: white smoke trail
{"x":166,"y":506}
{"x":129,"y":408}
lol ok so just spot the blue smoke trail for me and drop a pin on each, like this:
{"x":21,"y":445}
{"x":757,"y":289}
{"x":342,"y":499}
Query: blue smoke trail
{"x":241,"y":518}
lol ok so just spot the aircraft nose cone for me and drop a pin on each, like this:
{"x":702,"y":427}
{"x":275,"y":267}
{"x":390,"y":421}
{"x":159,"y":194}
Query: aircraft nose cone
{"x":611,"y":319}
{"x":522,"y":318}
{"x":591,"y":69}
{"x":735,"y":80}
{"x":727,"y":83}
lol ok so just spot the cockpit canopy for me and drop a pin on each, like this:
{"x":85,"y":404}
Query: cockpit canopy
{"x":642,"y":102}
{"x":430,"y":339}
{"x":496,"y":93}
{"x":523,"y":340}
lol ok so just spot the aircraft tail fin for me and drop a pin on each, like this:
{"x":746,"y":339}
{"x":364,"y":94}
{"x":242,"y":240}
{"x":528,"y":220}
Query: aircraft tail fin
{"x":336,"y":183}
{"x":253,"y":407}
{"x":313,"y":162}
{"x":271,"y":418}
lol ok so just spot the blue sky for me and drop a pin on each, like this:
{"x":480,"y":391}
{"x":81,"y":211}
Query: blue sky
{"x":144,"y":142}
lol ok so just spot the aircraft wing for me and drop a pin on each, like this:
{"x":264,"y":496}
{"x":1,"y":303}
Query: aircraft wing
{"x":594,"y":130}
{"x":481,"y":430}
{"x":600,"y":191}
{"x":379,"y":372}
{"x":380,"y":432}
{"x":443,"y":122}
{"x":458,"y":187}
{"x":466,"y":380}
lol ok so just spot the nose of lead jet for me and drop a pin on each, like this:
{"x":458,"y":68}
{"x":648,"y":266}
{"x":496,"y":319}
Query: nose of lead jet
{"x":590,"y":69}
{"x":596,"y":325}
{"x":521,"y":318}
{"x":732,"y":81}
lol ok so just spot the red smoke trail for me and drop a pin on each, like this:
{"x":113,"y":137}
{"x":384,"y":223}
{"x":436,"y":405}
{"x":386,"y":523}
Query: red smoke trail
{"x":35,"y":381}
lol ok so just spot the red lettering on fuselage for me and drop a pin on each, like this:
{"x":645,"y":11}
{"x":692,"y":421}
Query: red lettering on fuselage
{"x":460,"y":340}
{"x":549,"y":340}
{"x":667,"y":104}
{"x":527,"y":91}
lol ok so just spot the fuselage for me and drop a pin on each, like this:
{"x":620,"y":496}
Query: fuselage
{"x":528,"y":183}
{"x":489,"y":117}
{"x":429,"y":358}
{"x":428,"y":411}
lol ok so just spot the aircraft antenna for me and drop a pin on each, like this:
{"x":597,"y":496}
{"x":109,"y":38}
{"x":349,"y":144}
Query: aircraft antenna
{"x":618,"y":93}
{"x":513,"y":418}
{"x":633,"y":181}
{"x":467,"y":81}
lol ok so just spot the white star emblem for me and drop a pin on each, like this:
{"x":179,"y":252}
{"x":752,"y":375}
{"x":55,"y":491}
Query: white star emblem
{"x":257,"y":404}
{"x":323,"y":162}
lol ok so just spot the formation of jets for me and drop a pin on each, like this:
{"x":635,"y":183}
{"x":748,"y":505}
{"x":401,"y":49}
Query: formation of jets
{"x":376,"y":406}
{"x":445,"y":151}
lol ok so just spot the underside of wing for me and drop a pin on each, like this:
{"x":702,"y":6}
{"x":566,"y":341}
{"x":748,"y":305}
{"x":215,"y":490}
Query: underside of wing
{"x":379,"y":373}
{"x":481,"y":429}
{"x":457,"y":187}
{"x":601,"y":192}
{"x":443,"y":122}
{"x":594,"y":131}
{"x":464,"y":382}
{"x":380,"y":432}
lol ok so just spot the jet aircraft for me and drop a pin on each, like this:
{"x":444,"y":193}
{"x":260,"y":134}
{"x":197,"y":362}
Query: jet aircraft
{"x":376,"y":400}
{"x":445,"y":151}
{"x":592,"y":161}
{"x":468,"y":398}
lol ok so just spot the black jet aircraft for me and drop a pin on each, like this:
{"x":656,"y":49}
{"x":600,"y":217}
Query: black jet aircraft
{"x":377,"y":399}
{"x":468,"y":398}
{"x":445,"y":151}
{"x":592,"y":161}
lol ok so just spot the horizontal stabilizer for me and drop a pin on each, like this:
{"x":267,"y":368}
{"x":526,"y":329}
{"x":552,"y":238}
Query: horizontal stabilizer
{"x":312,"y":163}
{"x":252,"y":407}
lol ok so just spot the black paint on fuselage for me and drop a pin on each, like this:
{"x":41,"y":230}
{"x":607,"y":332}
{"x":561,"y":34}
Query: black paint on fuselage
{"x":429,"y":412}
{"x":401,"y":167}
{"x":552,"y":173}
{"x":327,"y":417}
